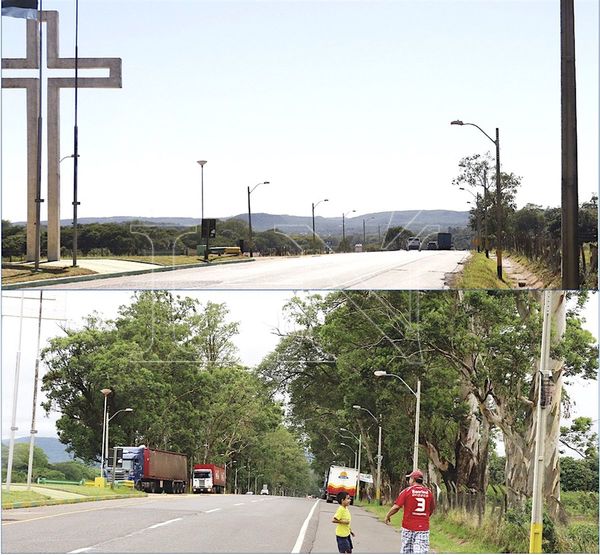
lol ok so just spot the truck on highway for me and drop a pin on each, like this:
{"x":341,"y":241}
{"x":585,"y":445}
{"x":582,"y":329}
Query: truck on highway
{"x":340,"y":478}
{"x":444,"y":241}
{"x":151,"y":470}
{"x":208,"y":478}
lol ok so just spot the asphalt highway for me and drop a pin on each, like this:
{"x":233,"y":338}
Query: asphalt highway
{"x":369,"y":270}
{"x":189,"y":524}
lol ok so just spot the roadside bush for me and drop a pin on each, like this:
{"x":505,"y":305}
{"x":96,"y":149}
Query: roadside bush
{"x":580,"y":503}
{"x":579,"y":538}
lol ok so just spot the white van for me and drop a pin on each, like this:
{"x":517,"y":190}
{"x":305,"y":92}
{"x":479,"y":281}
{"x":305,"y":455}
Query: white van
{"x":264,"y":490}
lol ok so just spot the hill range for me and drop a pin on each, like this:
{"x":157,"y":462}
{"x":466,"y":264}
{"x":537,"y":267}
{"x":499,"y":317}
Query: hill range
{"x":414,"y":220}
{"x":54,"y":449}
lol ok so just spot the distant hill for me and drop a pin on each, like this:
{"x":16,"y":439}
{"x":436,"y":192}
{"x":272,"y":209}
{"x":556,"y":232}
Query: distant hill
{"x":415,"y":220}
{"x":54,"y":449}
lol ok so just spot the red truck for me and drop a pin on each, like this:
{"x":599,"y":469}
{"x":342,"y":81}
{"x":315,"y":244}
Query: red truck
{"x":208,"y":478}
{"x":151,"y":470}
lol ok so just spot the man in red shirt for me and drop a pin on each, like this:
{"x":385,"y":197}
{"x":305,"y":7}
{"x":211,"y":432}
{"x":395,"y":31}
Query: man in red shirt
{"x":419,"y":504}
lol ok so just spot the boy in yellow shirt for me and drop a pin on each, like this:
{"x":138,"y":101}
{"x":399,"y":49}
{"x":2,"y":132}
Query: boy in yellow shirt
{"x":343,"y":532}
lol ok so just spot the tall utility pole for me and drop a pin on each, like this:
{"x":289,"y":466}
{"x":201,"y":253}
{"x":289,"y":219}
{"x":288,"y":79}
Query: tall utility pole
{"x":570,"y":202}
{"x":417,"y":417}
{"x":35,"y":390}
{"x":379,"y":457}
{"x":13,"y":422}
{"x":498,"y":208}
{"x":544,"y":398}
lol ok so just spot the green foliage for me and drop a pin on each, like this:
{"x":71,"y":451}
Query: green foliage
{"x":173,"y":361}
{"x":580,"y":538}
{"x":580,"y":503}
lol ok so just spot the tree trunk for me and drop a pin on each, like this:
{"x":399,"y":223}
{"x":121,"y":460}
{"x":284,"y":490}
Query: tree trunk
{"x":472,"y":447}
{"x":520,"y":451}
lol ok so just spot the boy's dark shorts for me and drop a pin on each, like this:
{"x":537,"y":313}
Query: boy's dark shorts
{"x":344,"y":544}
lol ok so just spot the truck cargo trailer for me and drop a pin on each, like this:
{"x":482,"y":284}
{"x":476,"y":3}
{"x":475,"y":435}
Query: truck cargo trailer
{"x":152,"y":470}
{"x":208,"y":478}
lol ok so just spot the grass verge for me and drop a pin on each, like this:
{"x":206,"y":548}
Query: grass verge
{"x":22,"y":497}
{"x":446,"y":536}
{"x":479,"y":272}
{"x":177,"y":260}
{"x":12,"y":275}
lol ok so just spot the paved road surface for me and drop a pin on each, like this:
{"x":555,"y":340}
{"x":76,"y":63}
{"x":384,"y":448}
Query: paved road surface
{"x":373,"y":270}
{"x":189,"y":524}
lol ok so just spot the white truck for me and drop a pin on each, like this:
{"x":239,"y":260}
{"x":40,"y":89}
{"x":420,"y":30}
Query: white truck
{"x":341,"y":478}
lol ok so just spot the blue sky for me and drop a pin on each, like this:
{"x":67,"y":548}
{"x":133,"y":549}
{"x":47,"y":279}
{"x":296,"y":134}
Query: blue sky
{"x":349,"y":101}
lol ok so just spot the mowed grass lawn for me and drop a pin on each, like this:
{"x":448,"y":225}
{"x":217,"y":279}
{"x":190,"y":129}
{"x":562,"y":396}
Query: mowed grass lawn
{"x":93,"y":491}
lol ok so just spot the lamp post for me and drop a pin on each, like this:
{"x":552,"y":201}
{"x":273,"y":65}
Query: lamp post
{"x":498,"y":194}
{"x":417,"y":394}
{"x":106,"y":448}
{"x":235,"y":487}
{"x":344,"y":225}
{"x":250,"y":215}
{"x":359,"y":439}
{"x":365,"y":229}
{"x":314,"y":205}
{"x":355,"y":454}
{"x":106,"y":392}
{"x":75,"y":203}
{"x":379,"y":457}
{"x":477,"y":214}
{"x":202,"y":162}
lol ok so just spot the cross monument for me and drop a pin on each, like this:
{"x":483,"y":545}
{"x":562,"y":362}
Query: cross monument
{"x":31,"y":84}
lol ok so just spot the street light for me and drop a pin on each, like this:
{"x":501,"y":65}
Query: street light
{"x":379,"y":457}
{"x":250,"y":214}
{"x":202,"y":162}
{"x":498,"y":193}
{"x":313,"y":215}
{"x":344,"y":225}
{"x":355,"y":454}
{"x":365,"y":229}
{"x":106,"y":450}
{"x":75,"y":204}
{"x":477,"y":214}
{"x":106,"y":392}
{"x":417,"y":394}
{"x":359,"y":439}
{"x":235,"y":488}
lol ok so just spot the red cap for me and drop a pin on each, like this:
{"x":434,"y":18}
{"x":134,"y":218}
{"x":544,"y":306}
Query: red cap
{"x":415,"y":474}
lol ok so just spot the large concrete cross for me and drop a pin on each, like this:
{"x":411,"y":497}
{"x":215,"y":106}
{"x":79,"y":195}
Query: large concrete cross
{"x":32,"y":84}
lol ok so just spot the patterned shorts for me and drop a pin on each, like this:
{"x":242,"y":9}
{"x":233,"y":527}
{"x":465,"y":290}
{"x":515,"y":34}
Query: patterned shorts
{"x":415,"y":542}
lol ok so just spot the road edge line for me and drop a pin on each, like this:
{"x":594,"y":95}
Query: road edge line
{"x":300,"y":539}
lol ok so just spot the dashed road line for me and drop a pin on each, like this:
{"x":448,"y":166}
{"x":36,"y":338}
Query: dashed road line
{"x":213,"y":510}
{"x":162,"y":524}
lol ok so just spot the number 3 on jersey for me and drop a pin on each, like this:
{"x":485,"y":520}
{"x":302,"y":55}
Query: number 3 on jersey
{"x":420,"y":505}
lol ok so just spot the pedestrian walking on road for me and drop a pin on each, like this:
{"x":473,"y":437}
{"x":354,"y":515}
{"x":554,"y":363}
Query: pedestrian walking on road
{"x":418,"y":503}
{"x":342,"y":517}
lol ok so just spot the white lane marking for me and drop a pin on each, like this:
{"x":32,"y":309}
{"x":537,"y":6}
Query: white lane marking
{"x":213,"y":510}
{"x":136,"y":533}
{"x":300,"y":540}
{"x":163,"y":523}
{"x":237,"y":504}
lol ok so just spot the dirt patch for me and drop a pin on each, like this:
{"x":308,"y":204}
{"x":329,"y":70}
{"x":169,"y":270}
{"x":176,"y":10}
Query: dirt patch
{"x":522,"y":277}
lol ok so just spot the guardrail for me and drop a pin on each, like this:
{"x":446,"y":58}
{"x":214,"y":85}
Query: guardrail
{"x":62,"y":482}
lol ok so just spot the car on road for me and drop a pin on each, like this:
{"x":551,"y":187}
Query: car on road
{"x":432,"y":246}
{"x":264,"y":490}
{"x":249,"y":493}
{"x":413,"y":244}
